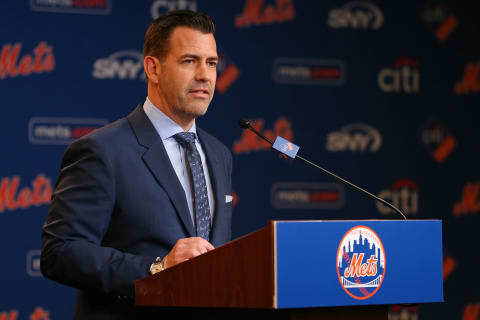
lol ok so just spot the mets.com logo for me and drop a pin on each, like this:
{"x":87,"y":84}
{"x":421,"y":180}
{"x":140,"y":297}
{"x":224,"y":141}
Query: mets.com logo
{"x":309,"y":71}
{"x":61,"y":130}
{"x":361,"y":262}
{"x":72,"y":6}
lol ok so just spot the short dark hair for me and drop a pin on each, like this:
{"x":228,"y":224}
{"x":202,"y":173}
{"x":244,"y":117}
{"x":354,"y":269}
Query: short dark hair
{"x":156,"y":42}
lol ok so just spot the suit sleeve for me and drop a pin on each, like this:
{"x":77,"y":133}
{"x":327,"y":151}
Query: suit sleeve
{"x":79,"y":215}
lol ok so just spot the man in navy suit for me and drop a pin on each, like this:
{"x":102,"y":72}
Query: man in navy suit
{"x":126,"y":203}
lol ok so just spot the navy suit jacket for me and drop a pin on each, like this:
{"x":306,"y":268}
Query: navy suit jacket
{"x":117,"y":205}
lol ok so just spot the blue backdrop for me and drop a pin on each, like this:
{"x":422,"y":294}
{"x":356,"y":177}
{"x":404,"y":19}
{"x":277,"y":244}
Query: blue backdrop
{"x":384,"y":94}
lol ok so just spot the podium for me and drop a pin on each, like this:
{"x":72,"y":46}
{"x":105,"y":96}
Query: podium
{"x":307,"y":270}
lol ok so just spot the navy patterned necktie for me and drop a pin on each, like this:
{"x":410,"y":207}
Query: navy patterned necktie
{"x":202,"y":208}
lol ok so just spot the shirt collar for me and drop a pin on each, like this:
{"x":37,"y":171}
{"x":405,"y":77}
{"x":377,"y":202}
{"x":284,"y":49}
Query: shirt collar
{"x":166,"y":127}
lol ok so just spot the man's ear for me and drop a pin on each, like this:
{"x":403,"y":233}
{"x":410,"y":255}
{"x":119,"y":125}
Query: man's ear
{"x":152,"y":67}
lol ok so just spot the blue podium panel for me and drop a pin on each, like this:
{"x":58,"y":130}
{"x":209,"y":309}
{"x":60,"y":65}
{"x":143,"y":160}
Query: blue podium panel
{"x":341,"y":263}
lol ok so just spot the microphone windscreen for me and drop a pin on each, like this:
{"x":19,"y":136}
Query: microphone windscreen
{"x":244,"y":123}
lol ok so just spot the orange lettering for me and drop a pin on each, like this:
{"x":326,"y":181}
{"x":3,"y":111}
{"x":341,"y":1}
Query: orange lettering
{"x":40,"y":314}
{"x":448,"y":266}
{"x":470,"y":81}
{"x":353,"y":269}
{"x":27,"y":64}
{"x":444,"y":149}
{"x":446,"y":28}
{"x":228,"y":76}
{"x":283,"y":10}
{"x":372,"y":266}
{"x":251,"y":142}
{"x":41,"y":193}
{"x":472,"y":311}
{"x":12,"y":315}
{"x":469,"y":202}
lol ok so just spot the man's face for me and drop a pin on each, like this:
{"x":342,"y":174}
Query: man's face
{"x":188,"y":73}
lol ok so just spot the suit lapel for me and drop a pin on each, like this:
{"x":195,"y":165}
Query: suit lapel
{"x":217,"y":177}
{"x":157,"y":160}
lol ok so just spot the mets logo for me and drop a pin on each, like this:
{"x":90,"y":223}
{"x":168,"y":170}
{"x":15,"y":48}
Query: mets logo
{"x":361,"y":262}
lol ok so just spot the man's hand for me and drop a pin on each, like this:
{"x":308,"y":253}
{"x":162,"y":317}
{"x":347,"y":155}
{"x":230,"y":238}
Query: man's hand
{"x":185,"y":249}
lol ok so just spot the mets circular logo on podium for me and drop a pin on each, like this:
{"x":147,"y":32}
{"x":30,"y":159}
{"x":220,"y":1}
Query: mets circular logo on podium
{"x":361,"y":262}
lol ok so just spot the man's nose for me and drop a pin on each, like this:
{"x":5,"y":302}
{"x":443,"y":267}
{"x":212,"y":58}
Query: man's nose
{"x":201,"y":73}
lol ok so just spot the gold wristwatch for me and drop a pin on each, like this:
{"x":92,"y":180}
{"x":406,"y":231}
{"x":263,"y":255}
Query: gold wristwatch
{"x":157,"y":266}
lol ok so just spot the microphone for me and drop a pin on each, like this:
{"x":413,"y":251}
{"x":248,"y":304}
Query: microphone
{"x":287,"y":148}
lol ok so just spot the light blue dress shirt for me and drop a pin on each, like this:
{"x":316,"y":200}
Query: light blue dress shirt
{"x":166,"y":129}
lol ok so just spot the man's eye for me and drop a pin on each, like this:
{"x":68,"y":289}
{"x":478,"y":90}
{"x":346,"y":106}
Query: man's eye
{"x":188,"y":61}
{"x":212,"y":64}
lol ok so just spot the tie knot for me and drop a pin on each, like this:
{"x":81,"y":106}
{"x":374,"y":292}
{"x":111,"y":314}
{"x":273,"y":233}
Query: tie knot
{"x":185,"y":138}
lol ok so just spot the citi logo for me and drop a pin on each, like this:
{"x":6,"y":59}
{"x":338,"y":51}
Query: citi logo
{"x":249,"y":141}
{"x":61,"y":130}
{"x":403,"y":195}
{"x":356,"y":137}
{"x":160,"y":7}
{"x":12,"y":65}
{"x":123,"y":65}
{"x":356,"y":15}
{"x":403,"y":77}
{"x":255,"y":13}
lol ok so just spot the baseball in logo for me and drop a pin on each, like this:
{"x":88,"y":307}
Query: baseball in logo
{"x":361,"y":262}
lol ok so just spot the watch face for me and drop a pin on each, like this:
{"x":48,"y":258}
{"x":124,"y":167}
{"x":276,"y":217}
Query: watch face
{"x":156,"y":267}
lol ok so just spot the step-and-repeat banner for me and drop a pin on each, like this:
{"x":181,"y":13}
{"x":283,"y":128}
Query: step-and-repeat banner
{"x":382,"y":93}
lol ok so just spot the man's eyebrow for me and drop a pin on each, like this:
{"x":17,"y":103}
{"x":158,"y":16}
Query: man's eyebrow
{"x":194,"y":56}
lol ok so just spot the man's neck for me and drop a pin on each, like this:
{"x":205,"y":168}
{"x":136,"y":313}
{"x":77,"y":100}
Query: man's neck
{"x":183,"y":122}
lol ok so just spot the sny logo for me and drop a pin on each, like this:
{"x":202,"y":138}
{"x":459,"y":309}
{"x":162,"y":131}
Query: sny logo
{"x":354,"y":137}
{"x":160,"y":7}
{"x":441,"y":20}
{"x":251,"y":142}
{"x":227,"y":73}
{"x":361,"y":262}
{"x":127,"y":64}
{"x":471,"y":80}
{"x":255,"y":13}
{"x":41,"y":61}
{"x":404,"y":76}
{"x":470,"y":202}
{"x":356,"y":15}
{"x":403,"y":195}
